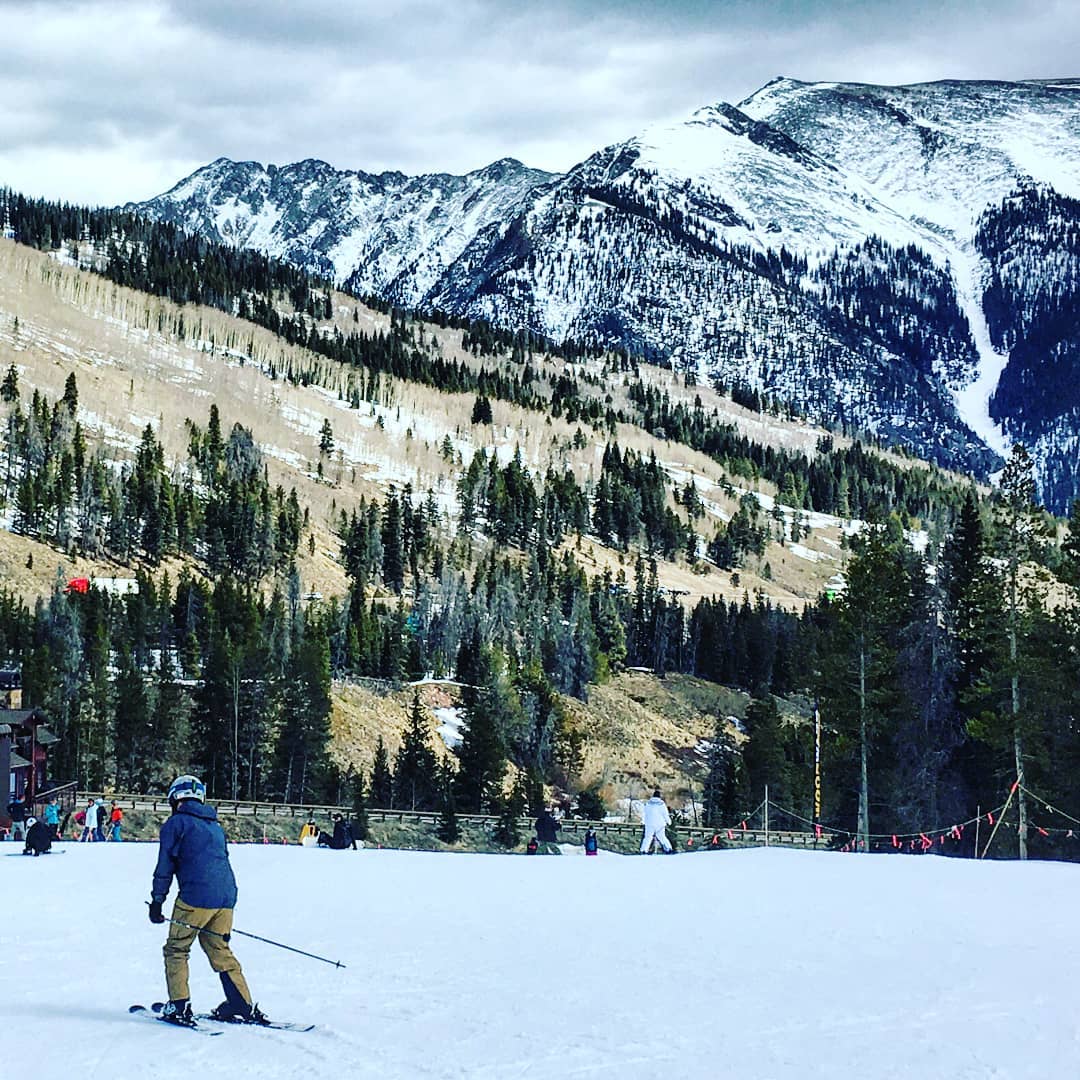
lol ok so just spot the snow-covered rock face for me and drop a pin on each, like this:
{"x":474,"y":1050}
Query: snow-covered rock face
{"x":732,"y":244}
{"x":941,"y":152}
{"x":390,"y":234}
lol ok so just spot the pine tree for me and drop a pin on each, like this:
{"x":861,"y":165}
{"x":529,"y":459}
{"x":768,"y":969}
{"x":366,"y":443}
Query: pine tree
{"x":448,"y":831}
{"x":361,"y":826}
{"x":382,"y":785}
{"x":415,"y":785}
{"x":326,"y":439}
{"x":9,"y":388}
{"x":482,"y":756}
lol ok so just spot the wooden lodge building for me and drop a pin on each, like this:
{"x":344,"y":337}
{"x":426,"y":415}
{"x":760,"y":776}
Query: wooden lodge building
{"x":25,"y":742}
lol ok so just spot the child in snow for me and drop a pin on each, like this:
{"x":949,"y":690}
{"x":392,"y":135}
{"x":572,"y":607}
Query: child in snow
{"x":591,"y":844}
{"x":309,"y":834}
{"x":51,"y":817}
{"x":193,"y":849}
{"x":657,"y":819}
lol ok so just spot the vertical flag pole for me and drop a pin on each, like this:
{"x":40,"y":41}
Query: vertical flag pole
{"x":978,"y":818}
{"x":766,"y":815}
{"x":817,"y":770}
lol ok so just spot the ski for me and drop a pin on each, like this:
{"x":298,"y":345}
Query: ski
{"x":273,"y":1025}
{"x":143,"y":1013}
{"x":30,"y":854}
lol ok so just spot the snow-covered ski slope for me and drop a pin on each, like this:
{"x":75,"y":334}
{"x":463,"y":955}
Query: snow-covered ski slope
{"x":749,"y":965}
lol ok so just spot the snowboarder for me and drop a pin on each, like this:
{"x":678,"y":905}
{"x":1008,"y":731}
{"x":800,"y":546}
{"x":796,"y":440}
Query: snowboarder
{"x":591,"y":844}
{"x":657,"y":819}
{"x":342,"y":838}
{"x":546,"y":829}
{"x":193,"y":848}
{"x":39,"y":837}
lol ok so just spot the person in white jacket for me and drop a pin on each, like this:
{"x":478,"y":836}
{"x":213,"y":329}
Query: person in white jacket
{"x":657,"y":819}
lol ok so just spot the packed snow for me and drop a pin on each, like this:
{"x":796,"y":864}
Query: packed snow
{"x":756,"y":965}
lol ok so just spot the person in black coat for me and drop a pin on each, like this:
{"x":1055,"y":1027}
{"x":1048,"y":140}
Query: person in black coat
{"x":342,"y":838}
{"x":17,"y":812}
{"x":39,"y":838}
{"x":546,"y":829}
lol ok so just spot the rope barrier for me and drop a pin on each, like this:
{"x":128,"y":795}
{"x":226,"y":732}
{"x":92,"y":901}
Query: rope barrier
{"x":936,"y":831}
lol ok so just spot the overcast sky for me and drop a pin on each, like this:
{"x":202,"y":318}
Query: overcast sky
{"x":103,"y":101}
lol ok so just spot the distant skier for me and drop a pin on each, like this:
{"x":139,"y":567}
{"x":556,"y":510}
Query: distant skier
{"x":39,"y":837}
{"x":546,"y":832}
{"x":193,"y":848}
{"x":116,"y":820}
{"x":591,"y":844}
{"x":657,"y":819}
{"x":342,"y":838}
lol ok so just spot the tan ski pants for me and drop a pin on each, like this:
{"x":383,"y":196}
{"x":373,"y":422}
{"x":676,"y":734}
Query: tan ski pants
{"x":178,"y":946}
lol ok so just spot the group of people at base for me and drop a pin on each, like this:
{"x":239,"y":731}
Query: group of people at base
{"x":656,"y":820}
{"x":341,"y":838}
{"x":99,"y":823}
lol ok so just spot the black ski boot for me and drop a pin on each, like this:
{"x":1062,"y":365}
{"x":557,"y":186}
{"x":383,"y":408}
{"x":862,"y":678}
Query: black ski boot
{"x":228,"y":1014}
{"x":178,"y":1012}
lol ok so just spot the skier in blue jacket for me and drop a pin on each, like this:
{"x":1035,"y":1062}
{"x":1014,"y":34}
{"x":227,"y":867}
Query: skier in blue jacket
{"x":192,"y":848}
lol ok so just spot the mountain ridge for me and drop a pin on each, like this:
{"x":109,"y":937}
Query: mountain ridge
{"x":707,"y":244}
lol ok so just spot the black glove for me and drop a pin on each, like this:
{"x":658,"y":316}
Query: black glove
{"x":155,"y":912}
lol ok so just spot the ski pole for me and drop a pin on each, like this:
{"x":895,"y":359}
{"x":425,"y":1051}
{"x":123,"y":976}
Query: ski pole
{"x":244,"y":933}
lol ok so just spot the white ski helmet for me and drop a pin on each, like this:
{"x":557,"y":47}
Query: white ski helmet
{"x":187,"y":787}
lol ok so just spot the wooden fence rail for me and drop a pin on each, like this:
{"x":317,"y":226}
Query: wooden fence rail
{"x":577,"y":827}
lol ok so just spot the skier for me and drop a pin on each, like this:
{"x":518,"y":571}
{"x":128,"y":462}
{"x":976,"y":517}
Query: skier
{"x":116,"y":819}
{"x":591,"y":844}
{"x":546,"y":829}
{"x":656,"y":819}
{"x":193,"y":849}
{"x":39,"y":837}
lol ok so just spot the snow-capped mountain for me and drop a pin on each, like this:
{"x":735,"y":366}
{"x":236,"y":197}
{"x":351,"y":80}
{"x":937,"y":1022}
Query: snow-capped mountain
{"x":841,"y":247}
{"x":394,"y":235}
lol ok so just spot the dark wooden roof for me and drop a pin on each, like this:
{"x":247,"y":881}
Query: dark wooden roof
{"x":19,"y":717}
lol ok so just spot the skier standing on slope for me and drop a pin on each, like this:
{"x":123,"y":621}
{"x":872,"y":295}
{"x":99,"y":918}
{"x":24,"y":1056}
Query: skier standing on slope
{"x":657,"y":819}
{"x":193,"y":849}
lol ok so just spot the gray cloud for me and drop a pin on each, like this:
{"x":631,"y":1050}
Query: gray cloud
{"x":108,"y":100}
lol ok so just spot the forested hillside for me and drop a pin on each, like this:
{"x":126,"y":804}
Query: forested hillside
{"x":465,"y":555}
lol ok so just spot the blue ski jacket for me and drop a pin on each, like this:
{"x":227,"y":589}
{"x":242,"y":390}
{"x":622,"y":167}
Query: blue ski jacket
{"x":192,"y":847}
